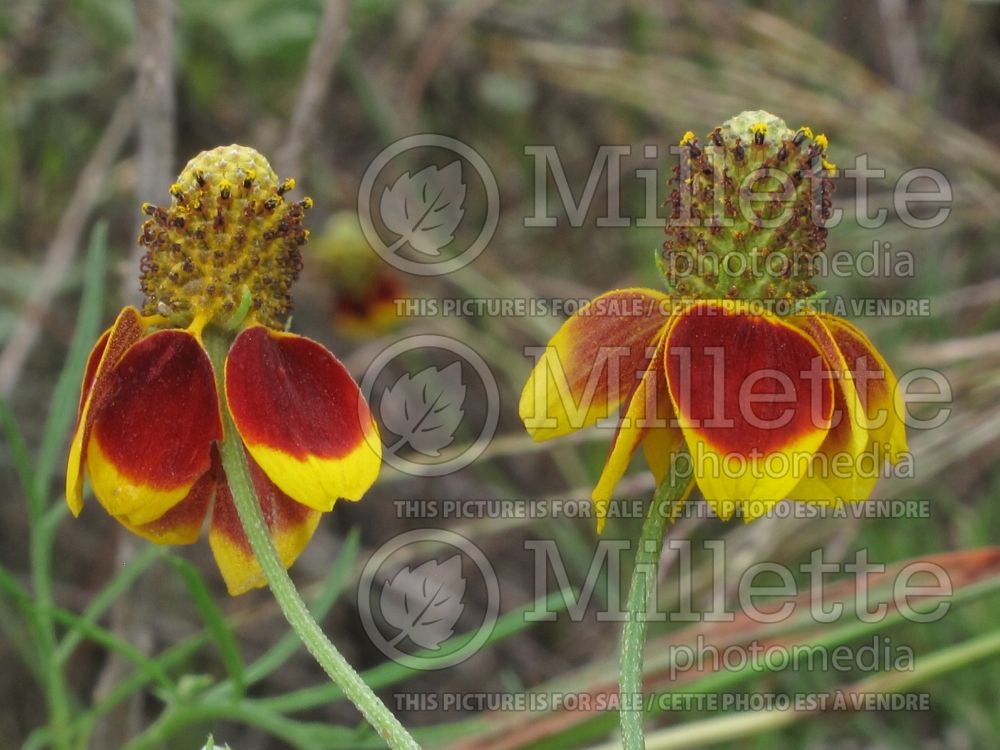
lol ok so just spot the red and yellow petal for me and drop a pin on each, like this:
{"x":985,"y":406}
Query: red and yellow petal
{"x":590,"y":365}
{"x":659,"y":446}
{"x":302,"y":417}
{"x":94,"y":361}
{"x":849,"y":474}
{"x":833,"y":473}
{"x":150,"y":441}
{"x":754,"y":399}
{"x":291,"y":526}
{"x":877,"y":387}
{"x":648,"y":412}
{"x":109,"y":348}
{"x":182,"y":523}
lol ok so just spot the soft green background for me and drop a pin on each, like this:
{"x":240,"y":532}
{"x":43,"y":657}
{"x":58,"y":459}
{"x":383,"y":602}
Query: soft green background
{"x":107,"y":640}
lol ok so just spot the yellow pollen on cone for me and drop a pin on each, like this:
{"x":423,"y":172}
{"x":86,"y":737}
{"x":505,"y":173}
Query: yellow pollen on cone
{"x":228,"y":229}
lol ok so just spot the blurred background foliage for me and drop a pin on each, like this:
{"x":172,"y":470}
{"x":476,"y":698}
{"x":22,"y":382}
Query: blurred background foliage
{"x":910,"y":83}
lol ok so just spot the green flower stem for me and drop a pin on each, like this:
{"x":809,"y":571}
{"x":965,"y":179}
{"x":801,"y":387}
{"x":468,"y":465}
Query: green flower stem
{"x":666,"y":500}
{"x":326,"y":654}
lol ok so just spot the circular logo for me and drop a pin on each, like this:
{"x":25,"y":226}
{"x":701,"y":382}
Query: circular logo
{"x":437,"y":402}
{"x":410,"y":603}
{"x":419,"y":211}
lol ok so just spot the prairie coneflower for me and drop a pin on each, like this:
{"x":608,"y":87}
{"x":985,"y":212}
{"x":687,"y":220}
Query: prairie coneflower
{"x":773,"y":398}
{"x":211,"y":339}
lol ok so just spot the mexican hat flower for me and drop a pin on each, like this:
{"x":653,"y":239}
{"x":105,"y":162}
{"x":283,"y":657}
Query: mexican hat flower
{"x":209,"y":349}
{"x":737,"y":363}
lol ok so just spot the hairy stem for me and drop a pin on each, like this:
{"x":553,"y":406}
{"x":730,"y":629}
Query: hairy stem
{"x":234,"y":462}
{"x":666,"y":500}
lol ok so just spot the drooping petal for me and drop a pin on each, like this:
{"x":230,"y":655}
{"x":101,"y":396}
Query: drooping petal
{"x":877,"y":386}
{"x":878,"y":390}
{"x":302,"y":417}
{"x":753,"y":398}
{"x":74,"y":461}
{"x":151,"y":438}
{"x":589,"y":366}
{"x":648,"y":412}
{"x":833,"y":473}
{"x":659,"y":446}
{"x":94,"y":361}
{"x":291,"y":525}
{"x":182,"y":523}
{"x":109,"y":348}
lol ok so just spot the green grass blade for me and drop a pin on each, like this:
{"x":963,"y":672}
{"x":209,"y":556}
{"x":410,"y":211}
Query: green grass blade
{"x":112,"y":642}
{"x":214,"y":621}
{"x":126,"y":688}
{"x":21,"y":598}
{"x":62,"y":412}
{"x":107,"y":596}
{"x":22,"y":462}
{"x":388,"y":674}
{"x":297,"y":734}
{"x":38,"y":739}
{"x":745,"y":724}
{"x":18,"y":632}
{"x":717,"y":682}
